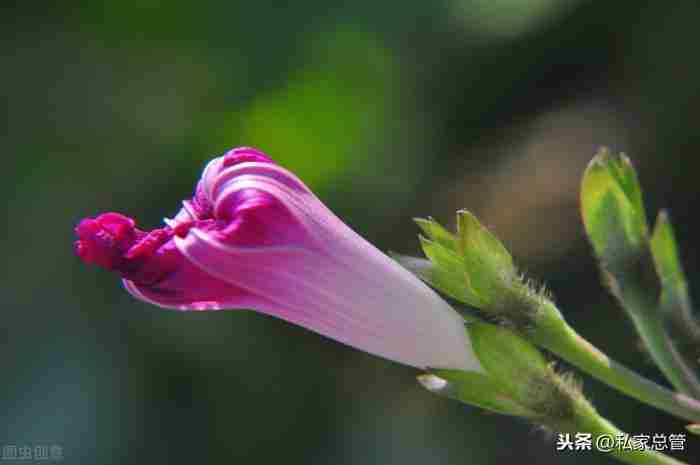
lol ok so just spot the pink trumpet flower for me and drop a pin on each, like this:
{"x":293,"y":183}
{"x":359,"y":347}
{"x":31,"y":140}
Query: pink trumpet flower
{"x":254,"y":236}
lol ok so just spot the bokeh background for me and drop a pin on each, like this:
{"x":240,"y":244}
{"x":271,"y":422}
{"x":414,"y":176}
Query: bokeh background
{"x":388,"y":110}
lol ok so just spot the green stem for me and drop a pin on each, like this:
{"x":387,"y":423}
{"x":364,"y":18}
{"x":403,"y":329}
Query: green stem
{"x":644,"y":313}
{"x":555,"y":335}
{"x":587,"y":420}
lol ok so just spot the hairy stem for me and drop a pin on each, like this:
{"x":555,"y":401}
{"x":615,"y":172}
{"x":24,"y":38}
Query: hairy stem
{"x":555,"y":335}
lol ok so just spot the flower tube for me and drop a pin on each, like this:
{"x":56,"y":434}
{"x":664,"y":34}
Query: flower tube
{"x":254,"y":236}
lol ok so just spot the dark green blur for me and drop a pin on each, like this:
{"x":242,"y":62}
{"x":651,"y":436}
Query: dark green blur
{"x":388,"y":111}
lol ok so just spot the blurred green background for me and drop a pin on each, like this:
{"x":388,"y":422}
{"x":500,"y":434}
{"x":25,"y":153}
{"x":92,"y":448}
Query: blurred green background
{"x":387,"y":110}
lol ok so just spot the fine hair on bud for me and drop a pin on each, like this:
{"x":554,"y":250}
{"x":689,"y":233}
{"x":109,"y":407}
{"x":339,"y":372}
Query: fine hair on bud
{"x":521,"y":303}
{"x":556,"y":399}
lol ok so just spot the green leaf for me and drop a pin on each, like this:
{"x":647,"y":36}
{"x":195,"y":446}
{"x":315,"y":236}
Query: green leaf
{"x":603,"y":226}
{"x":658,"y":303}
{"x":665,"y":252}
{"x":612,"y":207}
{"x":681,"y":325}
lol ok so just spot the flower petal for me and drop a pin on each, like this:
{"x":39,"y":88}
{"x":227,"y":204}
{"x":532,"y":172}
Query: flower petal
{"x":320,"y":274}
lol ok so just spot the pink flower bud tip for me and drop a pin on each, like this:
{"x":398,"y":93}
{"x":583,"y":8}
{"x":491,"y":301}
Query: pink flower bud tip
{"x":254,"y":236}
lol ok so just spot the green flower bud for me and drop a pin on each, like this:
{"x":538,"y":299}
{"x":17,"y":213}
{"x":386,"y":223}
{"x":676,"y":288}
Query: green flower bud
{"x":516,"y":379}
